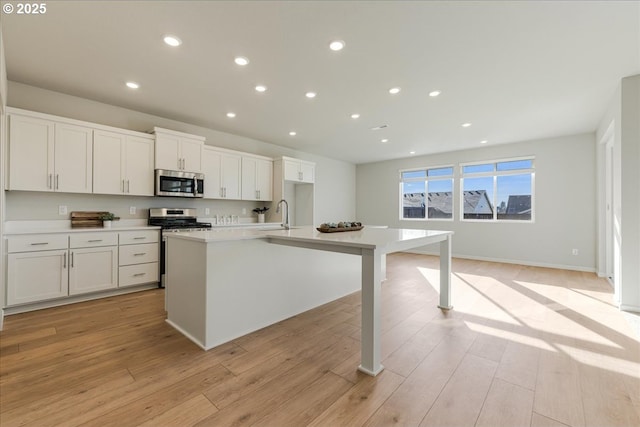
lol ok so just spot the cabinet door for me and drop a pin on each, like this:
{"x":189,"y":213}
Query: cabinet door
{"x":138,"y":160}
{"x":264,"y":179}
{"x":73,"y":158}
{"x":291,"y":170}
{"x":231,"y":175}
{"x":37,"y":276}
{"x":191,"y":154}
{"x":93,"y":269}
{"x":167,"y":152}
{"x":31,"y":153}
{"x":307,"y":172}
{"x":249,"y":178}
{"x":107,"y":164}
{"x":211,"y":167}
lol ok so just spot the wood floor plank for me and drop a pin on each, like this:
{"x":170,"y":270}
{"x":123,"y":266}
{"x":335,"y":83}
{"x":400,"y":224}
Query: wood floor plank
{"x":506,"y":405}
{"x":301,"y":409}
{"x":185,"y":414}
{"x":538,"y":420}
{"x":360,"y":401}
{"x":461,"y":400}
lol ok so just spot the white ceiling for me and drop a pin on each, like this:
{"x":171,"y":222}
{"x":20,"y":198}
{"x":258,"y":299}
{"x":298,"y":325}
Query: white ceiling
{"x":516,"y":70}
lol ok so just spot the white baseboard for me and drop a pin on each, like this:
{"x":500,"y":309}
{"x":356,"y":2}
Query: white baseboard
{"x":631,"y":308}
{"x":188,"y":335}
{"x":513,"y":261}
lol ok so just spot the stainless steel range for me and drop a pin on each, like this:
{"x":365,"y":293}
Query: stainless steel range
{"x":173,"y":220}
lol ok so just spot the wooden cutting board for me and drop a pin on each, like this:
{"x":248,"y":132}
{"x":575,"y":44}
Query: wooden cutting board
{"x":86,"y":219}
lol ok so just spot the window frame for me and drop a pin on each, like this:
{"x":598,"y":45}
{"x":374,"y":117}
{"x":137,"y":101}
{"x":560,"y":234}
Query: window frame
{"x":426,"y":180}
{"x":495,"y":173}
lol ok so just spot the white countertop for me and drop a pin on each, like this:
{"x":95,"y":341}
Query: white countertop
{"x":64,"y":226}
{"x":367,"y":238}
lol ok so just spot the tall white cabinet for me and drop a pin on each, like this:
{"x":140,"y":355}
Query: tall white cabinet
{"x":257,"y":178}
{"x":123,"y":163}
{"x":222,"y":173}
{"x":178,"y":151}
{"x":46,"y":155}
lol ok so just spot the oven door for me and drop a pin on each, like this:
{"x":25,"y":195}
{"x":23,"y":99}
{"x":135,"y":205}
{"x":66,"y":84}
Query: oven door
{"x":179,"y":184}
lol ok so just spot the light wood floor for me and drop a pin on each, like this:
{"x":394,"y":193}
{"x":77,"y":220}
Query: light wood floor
{"x":523,"y":346}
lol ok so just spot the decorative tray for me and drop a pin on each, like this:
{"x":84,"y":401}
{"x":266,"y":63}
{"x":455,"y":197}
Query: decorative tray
{"x":338,"y":228}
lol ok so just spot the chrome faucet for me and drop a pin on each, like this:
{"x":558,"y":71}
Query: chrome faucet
{"x":285,"y":222}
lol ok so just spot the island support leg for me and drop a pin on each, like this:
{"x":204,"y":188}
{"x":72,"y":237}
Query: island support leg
{"x":445,"y":274}
{"x":370,"y":335}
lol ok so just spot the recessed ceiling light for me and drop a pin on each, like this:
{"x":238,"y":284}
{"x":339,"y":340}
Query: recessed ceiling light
{"x":434,"y":93}
{"x":293,"y":133}
{"x":336,"y":45}
{"x":231,"y":114}
{"x":261,"y":88}
{"x":484,"y":141}
{"x":355,"y":116}
{"x":466,"y":125}
{"x":310,"y":94}
{"x":172,"y":41}
{"x":412,"y":152}
{"x":241,"y":60}
{"x":133,"y":85}
{"x":384,"y":140}
{"x":394,"y":90}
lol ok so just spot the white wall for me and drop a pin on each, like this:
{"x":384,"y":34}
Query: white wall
{"x":331,"y":174}
{"x":623,"y":115}
{"x":565,"y":200}
{"x":3,"y":128}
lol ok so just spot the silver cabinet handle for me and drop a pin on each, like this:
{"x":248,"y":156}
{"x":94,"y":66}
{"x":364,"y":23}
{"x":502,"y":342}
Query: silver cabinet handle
{"x":57,"y":181}
{"x":123,"y":185}
{"x":139,"y":238}
{"x":139,"y":274}
{"x":128,"y":187}
{"x":64,"y":265}
{"x":94,"y":240}
{"x":40,"y":244}
{"x":140,"y":254}
{"x":71,"y":259}
{"x":49,"y":182}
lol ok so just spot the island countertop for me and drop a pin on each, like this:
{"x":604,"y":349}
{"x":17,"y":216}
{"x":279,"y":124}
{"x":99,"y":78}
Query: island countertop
{"x":386,"y":239}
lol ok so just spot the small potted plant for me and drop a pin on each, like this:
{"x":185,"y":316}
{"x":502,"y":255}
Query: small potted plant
{"x":260,"y":212}
{"x":106,"y":218}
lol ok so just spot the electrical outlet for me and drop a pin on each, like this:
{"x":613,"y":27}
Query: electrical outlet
{"x":132,"y":210}
{"x":62,"y":210}
{"x":574,"y":252}
{"x":207,"y":211}
{"x":244,"y":211}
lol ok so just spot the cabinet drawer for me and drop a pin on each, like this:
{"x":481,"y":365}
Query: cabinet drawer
{"x":136,"y":237}
{"x":37,"y":242}
{"x":131,"y":275}
{"x":91,"y":240}
{"x":138,"y":254}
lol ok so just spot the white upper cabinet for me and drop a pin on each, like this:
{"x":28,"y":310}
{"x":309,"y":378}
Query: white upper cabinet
{"x":45,"y":155}
{"x":178,"y":151}
{"x":298,"y":170}
{"x":123,"y":164}
{"x":222,"y":174}
{"x":257,"y":178}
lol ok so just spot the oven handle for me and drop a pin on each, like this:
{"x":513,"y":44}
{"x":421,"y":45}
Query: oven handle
{"x":195,"y":186}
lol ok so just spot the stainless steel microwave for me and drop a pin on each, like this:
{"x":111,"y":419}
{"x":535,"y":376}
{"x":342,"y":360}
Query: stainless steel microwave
{"x":179,"y":183}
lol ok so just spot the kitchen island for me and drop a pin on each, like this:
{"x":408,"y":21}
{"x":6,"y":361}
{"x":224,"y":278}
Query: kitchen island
{"x":226,"y":283}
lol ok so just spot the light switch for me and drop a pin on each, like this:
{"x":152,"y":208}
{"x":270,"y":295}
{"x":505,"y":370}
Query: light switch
{"x":132,"y":210}
{"x":62,"y":210}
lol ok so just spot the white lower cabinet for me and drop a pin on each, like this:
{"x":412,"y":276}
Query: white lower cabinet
{"x":42,"y":267}
{"x":93,"y":269}
{"x":139,"y":261}
{"x":37,"y":276}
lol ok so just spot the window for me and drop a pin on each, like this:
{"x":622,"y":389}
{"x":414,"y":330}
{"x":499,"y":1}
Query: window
{"x":427,"y":193}
{"x":498,"y":191}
